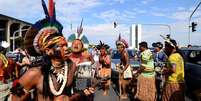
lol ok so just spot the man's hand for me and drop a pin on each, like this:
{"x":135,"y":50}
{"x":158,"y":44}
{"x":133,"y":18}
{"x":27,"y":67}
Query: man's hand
{"x":165,"y":70}
{"x":121,"y":71}
{"x":89,"y":91}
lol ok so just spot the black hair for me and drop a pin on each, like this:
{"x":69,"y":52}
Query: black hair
{"x":179,"y":51}
{"x":175,"y":47}
{"x":45,"y":71}
{"x":158,"y":44}
{"x":2,"y":50}
{"x":143,"y":44}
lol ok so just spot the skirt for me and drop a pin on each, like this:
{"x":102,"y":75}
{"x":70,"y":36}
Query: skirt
{"x":105,"y":72}
{"x":146,"y":88}
{"x":173,"y":92}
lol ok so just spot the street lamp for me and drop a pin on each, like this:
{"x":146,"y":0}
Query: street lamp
{"x":14,"y":36}
{"x":189,"y":22}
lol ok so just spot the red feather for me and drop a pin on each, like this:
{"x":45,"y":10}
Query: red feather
{"x":51,"y":8}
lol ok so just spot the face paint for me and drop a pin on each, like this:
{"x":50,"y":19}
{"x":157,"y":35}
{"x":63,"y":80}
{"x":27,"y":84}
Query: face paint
{"x":102,"y":51}
{"x":57,"y":51}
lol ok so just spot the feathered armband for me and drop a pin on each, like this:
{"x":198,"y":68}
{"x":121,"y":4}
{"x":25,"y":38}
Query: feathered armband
{"x":17,"y":89}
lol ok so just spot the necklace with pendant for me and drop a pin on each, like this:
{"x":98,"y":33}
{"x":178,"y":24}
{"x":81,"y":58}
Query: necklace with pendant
{"x":60,"y":77}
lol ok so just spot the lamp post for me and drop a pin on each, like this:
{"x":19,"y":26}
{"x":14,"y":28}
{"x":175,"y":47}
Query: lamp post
{"x":15,"y":34}
{"x":189,"y":22}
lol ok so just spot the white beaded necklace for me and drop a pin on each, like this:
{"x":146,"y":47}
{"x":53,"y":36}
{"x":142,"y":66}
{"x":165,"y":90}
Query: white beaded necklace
{"x":56,"y":93}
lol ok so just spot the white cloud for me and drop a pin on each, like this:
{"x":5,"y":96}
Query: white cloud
{"x":72,"y":9}
{"x":113,"y":2}
{"x":114,"y":15}
{"x":158,"y":14}
{"x":139,"y":11}
{"x":108,"y":16}
{"x":147,"y":1}
{"x":180,"y":8}
{"x":22,"y":10}
{"x":119,"y":1}
{"x":28,"y":9}
{"x":183,"y":15}
{"x":104,"y":32}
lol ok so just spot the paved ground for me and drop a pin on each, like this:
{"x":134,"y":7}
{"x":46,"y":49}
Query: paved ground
{"x":112,"y":96}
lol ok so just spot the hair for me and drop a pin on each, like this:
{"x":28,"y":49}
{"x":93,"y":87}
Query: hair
{"x":175,"y":47}
{"x":143,"y":44}
{"x":179,"y":51}
{"x":46,"y":71}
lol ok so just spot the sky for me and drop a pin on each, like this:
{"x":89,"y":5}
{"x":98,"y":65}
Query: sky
{"x":157,"y":17}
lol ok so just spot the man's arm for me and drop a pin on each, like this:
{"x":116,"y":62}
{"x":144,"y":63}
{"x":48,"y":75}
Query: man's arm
{"x":91,"y":59}
{"x":20,"y":89}
{"x":126,"y":60}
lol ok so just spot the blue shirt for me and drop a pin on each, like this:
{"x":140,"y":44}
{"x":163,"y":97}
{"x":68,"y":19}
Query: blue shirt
{"x":160,"y":56}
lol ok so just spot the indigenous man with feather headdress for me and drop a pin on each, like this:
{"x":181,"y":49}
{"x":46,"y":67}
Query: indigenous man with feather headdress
{"x":83,"y":61}
{"x":105,"y":63}
{"x":124,"y":67}
{"x":52,"y":79}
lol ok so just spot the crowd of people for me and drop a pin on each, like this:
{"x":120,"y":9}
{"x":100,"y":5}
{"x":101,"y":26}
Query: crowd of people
{"x":55,"y":74}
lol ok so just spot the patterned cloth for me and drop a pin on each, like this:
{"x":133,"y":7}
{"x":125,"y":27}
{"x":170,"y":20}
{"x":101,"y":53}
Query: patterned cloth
{"x":146,"y":89}
{"x":173,"y":92}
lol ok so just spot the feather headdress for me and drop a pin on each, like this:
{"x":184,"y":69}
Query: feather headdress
{"x":102,"y":45}
{"x":169,"y":41}
{"x":121,"y":41}
{"x":79,"y":35}
{"x":42,"y":30}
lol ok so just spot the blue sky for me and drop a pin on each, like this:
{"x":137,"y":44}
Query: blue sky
{"x":99,"y":16}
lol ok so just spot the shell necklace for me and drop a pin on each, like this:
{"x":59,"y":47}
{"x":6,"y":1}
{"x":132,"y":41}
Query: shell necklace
{"x":60,"y":77}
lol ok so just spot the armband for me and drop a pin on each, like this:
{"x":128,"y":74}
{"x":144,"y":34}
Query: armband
{"x":17,"y":89}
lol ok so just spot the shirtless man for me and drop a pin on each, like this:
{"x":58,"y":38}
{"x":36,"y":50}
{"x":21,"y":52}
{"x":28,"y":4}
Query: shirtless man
{"x":105,"y":63}
{"x":125,"y":72}
{"x":52,"y":79}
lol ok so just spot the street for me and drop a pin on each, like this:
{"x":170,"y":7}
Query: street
{"x":112,"y":96}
